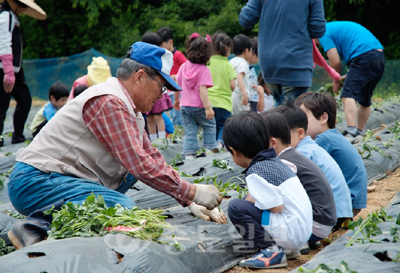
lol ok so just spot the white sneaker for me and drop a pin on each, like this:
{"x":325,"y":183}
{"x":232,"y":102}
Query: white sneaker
{"x":293,"y":255}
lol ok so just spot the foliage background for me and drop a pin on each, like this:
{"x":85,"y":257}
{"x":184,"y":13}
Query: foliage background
{"x":111,"y":26}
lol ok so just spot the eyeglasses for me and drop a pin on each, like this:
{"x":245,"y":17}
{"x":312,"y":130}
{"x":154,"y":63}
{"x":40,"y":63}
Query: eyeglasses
{"x":163,"y":88}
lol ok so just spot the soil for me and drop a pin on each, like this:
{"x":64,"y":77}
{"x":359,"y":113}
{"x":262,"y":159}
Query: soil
{"x":381,"y":195}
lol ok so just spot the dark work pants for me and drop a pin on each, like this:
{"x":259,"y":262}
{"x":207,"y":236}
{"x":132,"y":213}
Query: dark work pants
{"x":247,"y":221}
{"x":23,"y":98}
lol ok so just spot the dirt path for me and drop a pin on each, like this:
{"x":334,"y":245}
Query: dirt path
{"x":382,"y":193}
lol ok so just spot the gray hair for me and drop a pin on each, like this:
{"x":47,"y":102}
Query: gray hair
{"x":128,"y":67}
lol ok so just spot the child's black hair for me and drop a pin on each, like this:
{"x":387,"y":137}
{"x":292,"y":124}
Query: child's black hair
{"x":221,"y":43}
{"x":198,"y":50}
{"x":254,"y":47}
{"x":318,"y":103}
{"x":296,"y":117}
{"x":79,"y":89}
{"x":240,"y":43}
{"x":152,"y":38}
{"x":165,"y":33}
{"x":278,"y":126}
{"x":58,"y":90}
{"x":246,"y":133}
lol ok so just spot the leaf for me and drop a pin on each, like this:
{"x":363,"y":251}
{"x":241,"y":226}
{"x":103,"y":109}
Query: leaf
{"x":90,"y":199}
{"x":398,"y":219}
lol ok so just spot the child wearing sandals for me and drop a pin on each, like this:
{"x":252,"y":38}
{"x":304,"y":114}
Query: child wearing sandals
{"x":194,"y":77}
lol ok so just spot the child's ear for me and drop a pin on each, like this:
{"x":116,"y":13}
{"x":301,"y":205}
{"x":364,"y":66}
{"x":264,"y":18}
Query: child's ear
{"x":52,"y":98}
{"x":300,"y":132}
{"x":273,"y":142}
{"x":234,"y":152}
{"x":324,"y":118}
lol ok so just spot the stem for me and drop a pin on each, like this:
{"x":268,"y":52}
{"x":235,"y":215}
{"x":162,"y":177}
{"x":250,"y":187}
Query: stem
{"x":360,"y":229}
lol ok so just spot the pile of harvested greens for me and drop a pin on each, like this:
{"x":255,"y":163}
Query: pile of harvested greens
{"x":94,"y":218}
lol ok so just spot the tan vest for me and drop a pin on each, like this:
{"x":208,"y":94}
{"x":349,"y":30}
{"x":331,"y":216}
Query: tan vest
{"x":65,"y":145}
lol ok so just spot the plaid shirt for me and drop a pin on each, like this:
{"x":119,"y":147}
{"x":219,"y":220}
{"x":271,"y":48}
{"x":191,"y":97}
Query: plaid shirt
{"x":109,"y":119}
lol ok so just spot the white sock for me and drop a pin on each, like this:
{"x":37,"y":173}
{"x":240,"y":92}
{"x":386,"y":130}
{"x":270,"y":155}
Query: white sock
{"x":161,"y":134}
{"x":153,"y":137}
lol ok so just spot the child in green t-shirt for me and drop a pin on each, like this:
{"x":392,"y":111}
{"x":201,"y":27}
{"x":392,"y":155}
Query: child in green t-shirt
{"x":223,"y":76}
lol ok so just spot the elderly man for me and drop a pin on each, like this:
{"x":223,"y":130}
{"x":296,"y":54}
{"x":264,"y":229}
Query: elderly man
{"x":364,"y":56}
{"x":97,"y":143}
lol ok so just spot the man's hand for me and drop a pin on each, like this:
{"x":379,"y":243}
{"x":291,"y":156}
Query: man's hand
{"x":208,"y":196}
{"x":209,"y":113}
{"x":336,"y":86}
{"x":203,"y":213}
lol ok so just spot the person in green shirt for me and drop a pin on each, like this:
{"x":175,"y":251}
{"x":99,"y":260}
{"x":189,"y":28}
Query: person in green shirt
{"x":223,"y":76}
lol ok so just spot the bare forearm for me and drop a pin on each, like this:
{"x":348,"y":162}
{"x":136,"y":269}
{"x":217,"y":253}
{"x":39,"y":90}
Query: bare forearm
{"x":204,"y":97}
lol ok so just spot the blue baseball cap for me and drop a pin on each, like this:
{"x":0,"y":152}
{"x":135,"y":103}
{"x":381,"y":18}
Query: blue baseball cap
{"x":156,"y":57}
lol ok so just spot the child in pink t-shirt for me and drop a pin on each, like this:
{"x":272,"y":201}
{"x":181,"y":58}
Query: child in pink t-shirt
{"x":194,"y":77}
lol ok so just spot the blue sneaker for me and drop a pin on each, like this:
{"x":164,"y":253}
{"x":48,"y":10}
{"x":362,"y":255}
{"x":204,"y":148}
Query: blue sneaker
{"x":271,"y":257}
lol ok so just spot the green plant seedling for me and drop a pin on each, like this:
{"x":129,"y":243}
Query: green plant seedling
{"x":223,"y":164}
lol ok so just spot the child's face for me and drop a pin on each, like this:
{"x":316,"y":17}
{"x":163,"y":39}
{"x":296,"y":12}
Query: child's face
{"x":58,"y":103}
{"x":314,"y":125}
{"x":253,"y":58}
{"x":247,"y":54}
{"x":168,"y":45}
{"x":296,"y":135}
{"x":240,"y":159}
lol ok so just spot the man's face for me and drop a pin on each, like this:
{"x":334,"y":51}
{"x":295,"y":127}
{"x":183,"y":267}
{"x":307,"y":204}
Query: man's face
{"x":149,"y":93}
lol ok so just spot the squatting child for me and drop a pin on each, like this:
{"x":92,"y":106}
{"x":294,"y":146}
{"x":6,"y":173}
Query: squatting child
{"x":311,"y":177}
{"x":194,"y":77}
{"x":277,"y":212}
{"x":321,"y":112}
{"x":298,"y":124}
{"x":240,"y":96}
{"x":58,"y":96}
{"x":223,"y":77}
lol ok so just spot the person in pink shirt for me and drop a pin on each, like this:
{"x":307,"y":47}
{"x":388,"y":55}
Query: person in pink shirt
{"x":194,"y":77}
{"x":98,"y":72}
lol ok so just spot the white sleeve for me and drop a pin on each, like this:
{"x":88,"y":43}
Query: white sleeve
{"x":267,"y":196}
{"x":5,"y":34}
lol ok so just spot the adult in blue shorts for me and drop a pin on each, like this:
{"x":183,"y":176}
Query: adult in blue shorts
{"x":364,"y":56}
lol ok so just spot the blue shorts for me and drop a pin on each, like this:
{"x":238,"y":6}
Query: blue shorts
{"x":365,"y":71}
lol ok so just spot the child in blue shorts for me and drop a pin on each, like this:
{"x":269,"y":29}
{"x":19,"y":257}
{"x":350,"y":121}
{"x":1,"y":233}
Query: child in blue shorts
{"x":321,"y":112}
{"x":277,"y":212}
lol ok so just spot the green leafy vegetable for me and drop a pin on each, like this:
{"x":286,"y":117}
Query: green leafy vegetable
{"x":223,"y":164}
{"x":94,"y":218}
{"x":4,"y":250}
